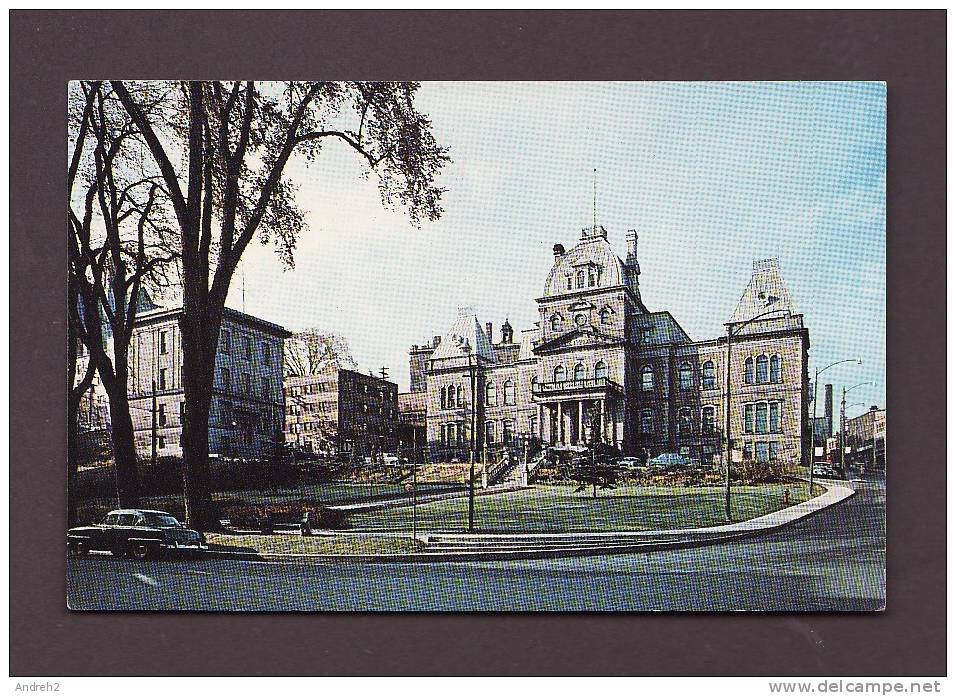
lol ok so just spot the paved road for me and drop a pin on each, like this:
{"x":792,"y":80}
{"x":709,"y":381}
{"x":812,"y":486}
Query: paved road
{"x":833,"y":561}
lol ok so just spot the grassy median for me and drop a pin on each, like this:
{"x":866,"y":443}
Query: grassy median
{"x":314,"y":545}
{"x":560,"y":509}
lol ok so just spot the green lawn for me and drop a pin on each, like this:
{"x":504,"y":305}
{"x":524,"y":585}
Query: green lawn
{"x":334,"y":493}
{"x":287,"y":543}
{"x":560,"y":509}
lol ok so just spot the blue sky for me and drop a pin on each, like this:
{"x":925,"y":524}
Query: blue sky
{"x":711,"y":175}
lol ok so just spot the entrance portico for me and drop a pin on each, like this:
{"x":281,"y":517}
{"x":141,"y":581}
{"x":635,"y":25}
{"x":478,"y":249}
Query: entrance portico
{"x":566,"y":410}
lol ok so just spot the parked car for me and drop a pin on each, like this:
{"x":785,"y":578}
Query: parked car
{"x":630,"y":463}
{"x":670,"y":461}
{"x":824,"y":471}
{"x":138,"y":533}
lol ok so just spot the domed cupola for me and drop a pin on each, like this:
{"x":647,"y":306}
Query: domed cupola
{"x":592,"y":263}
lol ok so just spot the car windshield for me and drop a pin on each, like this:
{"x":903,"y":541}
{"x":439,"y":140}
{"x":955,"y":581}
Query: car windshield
{"x":156,"y":519}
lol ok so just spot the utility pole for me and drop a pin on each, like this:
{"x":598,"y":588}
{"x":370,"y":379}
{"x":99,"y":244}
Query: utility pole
{"x":153,"y":459}
{"x":843,"y":434}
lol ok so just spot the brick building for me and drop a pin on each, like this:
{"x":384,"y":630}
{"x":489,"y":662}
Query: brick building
{"x":863,"y":433}
{"x":342,"y":412}
{"x":246,"y":411}
{"x":599,"y":361}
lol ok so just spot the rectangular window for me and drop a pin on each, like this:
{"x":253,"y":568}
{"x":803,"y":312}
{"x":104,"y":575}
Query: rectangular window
{"x":748,"y":450}
{"x":161,"y":442}
{"x":225,"y":378}
{"x":509,"y":430}
{"x":226,"y":341}
{"x":761,"y":417}
{"x":763,"y":451}
{"x":161,"y":415}
{"x":748,"y":418}
{"x":773,"y":451}
{"x":267,"y":353}
{"x":248,"y":344}
{"x":163,"y":342}
{"x":775,"y":417}
{"x":182,"y":411}
{"x":532,"y":424}
{"x":162,"y":378}
{"x":489,"y":433}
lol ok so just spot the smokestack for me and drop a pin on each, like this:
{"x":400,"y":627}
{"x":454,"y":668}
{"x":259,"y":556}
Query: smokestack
{"x":828,"y":408}
{"x":490,"y":332}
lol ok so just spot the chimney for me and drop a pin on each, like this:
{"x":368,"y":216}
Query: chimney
{"x":490,"y":332}
{"x":558,"y":251}
{"x":435,"y":341}
{"x":507,"y":333}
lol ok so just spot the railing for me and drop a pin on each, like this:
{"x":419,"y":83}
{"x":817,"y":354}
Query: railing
{"x":544,"y":388}
{"x":536,"y":463}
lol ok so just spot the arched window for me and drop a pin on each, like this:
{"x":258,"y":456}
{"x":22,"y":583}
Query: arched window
{"x":708,"y":377}
{"x":570,"y":284}
{"x":708,"y":418}
{"x":579,"y":372}
{"x":444,"y":398}
{"x":647,"y":420}
{"x":559,"y":373}
{"x":600,"y":370}
{"x":459,"y":397}
{"x":591,"y":278}
{"x":556,"y":322}
{"x":606,"y":315}
{"x":491,"y":394}
{"x":762,"y":369}
{"x":775,"y":376}
{"x":581,"y":319}
{"x":749,"y":371}
{"x":581,"y":279}
{"x":509,"y":393}
{"x":647,"y":378}
{"x":489,"y":432}
{"x":685,"y":421}
{"x":534,"y":383}
{"x":685,"y":375}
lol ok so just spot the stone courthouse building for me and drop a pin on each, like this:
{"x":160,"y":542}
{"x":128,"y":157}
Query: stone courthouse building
{"x":600,"y":363}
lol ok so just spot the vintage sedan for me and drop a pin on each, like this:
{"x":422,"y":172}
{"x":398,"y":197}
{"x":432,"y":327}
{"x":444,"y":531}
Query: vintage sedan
{"x":138,"y":533}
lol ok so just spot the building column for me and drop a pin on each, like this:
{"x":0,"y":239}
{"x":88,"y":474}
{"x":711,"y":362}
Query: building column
{"x":603,"y":425}
{"x":560,"y":424}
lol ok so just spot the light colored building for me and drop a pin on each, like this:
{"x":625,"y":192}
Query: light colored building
{"x":247,"y":406}
{"x":866,"y":432}
{"x":599,"y":363}
{"x":342,"y":412}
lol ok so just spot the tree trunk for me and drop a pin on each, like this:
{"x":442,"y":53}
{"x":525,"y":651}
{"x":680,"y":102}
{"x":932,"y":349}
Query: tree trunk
{"x":72,"y":446}
{"x":124,"y":446}
{"x":199,"y":366}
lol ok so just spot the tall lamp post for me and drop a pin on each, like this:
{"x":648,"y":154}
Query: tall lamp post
{"x":813,"y":425}
{"x":733,"y":330}
{"x":843,"y":424}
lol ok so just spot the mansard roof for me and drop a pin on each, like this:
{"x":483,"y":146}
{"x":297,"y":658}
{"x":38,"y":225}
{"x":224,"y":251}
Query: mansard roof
{"x":766,"y":292}
{"x":594,"y":250}
{"x":465,"y":337}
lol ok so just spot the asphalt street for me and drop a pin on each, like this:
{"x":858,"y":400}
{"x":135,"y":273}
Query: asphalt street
{"x":834,"y":561}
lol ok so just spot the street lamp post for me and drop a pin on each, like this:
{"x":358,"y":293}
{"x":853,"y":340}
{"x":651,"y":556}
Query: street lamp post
{"x":813,"y":424}
{"x":843,"y":425}
{"x":731,"y":332}
{"x":472,"y":369}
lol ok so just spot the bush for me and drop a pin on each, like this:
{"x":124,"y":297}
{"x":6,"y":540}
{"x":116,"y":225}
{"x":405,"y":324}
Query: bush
{"x":243,"y":515}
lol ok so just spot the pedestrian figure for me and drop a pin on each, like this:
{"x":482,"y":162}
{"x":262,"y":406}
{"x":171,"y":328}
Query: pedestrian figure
{"x":786,"y":496}
{"x":305,"y":526}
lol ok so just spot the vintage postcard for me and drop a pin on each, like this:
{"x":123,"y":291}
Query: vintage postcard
{"x":476,"y":346}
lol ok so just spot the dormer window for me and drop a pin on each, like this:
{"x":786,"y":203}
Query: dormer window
{"x":556,"y":322}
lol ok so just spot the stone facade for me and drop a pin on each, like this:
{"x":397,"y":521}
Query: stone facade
{"x":342,"y":412}
{"x":246,"y":411}
{"x":600,"y":365}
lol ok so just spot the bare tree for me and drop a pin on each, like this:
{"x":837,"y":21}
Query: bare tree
{"x":234,"y":140}
{"x":310,"y":352}
{"x":119,"y":244}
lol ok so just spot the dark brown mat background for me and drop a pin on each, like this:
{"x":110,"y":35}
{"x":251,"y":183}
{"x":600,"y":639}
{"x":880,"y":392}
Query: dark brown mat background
{"x":907,"y":49}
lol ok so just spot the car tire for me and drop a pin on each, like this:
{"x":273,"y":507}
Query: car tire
{"x":78,"y":548}
{"x":141,"y":551}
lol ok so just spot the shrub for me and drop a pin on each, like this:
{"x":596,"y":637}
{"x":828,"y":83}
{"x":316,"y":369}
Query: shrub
{"x":243,"y":515}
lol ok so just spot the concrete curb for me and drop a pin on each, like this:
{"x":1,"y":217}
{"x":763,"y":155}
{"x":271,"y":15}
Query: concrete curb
{"x":622,"y":542}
